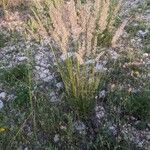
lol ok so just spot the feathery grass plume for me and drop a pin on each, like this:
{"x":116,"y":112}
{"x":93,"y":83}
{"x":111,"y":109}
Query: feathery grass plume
{"x":114,"y":8}
{"x":73,"y":26}
{"x":104,"y":15}
{"x":4,"y":5}
{"x":119,"y":32}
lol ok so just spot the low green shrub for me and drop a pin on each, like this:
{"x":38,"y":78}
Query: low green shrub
{"x":139,"y":105}
{"x":14,"y":75}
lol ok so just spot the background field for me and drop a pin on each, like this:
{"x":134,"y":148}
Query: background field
{"x":75,"y":75}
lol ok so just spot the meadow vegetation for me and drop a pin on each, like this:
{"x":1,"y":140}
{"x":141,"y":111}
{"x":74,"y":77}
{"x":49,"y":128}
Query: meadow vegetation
{"x":96,"y":95}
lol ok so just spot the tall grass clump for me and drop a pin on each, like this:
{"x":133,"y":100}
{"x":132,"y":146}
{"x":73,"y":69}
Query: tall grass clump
{"x":74,"y":28}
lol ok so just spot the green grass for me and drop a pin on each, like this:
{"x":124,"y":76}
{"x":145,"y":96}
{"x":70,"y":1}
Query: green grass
{"x":139,"y":105}
{"x":32,"y":120}
{"x":50,"y":118}
{"x":104,"y":39}
{"x":13,"y":76}
{"x":147,"y":49}
{"x":80,"y":86}
{"x":147,"y":37}
{"x":16,"y":80}
{"x":133,"y":30}
{"x":2,"y":40}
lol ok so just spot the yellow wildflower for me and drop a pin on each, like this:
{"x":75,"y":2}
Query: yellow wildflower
{"x":135,"y":73}
{"x":2,"y":129}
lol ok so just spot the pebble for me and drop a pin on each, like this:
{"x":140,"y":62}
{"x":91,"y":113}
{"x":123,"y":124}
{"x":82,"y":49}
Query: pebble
{"x":60,"y":85}
{"x":65,"y":56}
{"x":1,"y":104}
{"x":102,"y":94}
{"x":80,"y":127}
{"x":100,"y":67}
{"x":54,"y":98}
{"x":2,"y":95}
{"x":22,"y":58}
{"x":114,"y":55}
{"x":140,"y":144}
{"x":56,"y":138}
{"x":145,"y":55}
{"x":91,"y":61}
{"x":48,"y":78}
{"x":148,"y":137}
{"x":43,"y":75}
{"x":143,"y":33}
{"x":100,"y":112}
{"x":113,"y":129}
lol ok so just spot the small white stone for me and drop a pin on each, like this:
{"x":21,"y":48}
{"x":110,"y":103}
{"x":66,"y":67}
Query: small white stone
{"x":37,"y":67}
{"x":100,"y":67}
{"x":46,"y":71}
{"x":135,"y":90}
{"x":113,"y":129}
{"x":104,"y":62}
{"x":48,"y":78}
{"x":59,"y":85}
{"x":56,"y":138}
{"x":22,"y":58}
{"x":114,"y":55}
{"x":91,"y":61}
{"x":54,"y":98}
{"x":2,"y":95}
{"x":79,"y":126}
{"x":63,"y":127}
{"x":100,"y":112}
{"x":135,"y":24}
{"x":26,"y":148}
{"x":68,"y":55}
{"x":140,"y":144}
{"x":42,"y":63}
{"x":102,"y":94}
{"x":148,"y":137}
{"x":39,"y":56}
{"x":42,"y":75}
{"x":145,"y":55}
{"x":1,"y":104}
{"x":143,"y":33}
{"x":52,"y":94}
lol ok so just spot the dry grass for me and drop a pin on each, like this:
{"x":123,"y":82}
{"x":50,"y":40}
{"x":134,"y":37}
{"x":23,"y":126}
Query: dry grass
{"x":119,"y":32}
{"x":12,"y":3}
{"x":75,"y":25}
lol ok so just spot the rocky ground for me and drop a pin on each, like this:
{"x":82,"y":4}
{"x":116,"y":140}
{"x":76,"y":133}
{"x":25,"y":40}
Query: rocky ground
{"x":16,"y":49}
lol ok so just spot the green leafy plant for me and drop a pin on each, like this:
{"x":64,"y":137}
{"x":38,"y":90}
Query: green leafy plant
{"x":133,"y":30}
{"x":147,"y":49}
{"x":139,"y":105}
{"x":2,"y":40}
{"x":14,"y":75}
